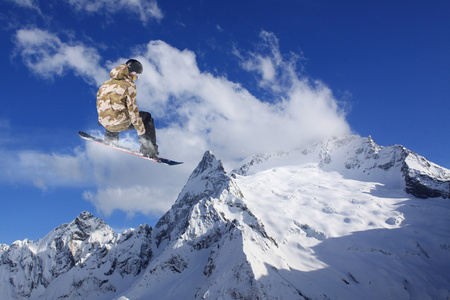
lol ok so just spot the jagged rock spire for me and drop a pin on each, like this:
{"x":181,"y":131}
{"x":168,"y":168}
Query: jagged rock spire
{"x":208,"y":180}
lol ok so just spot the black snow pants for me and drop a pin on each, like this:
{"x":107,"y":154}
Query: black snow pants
{"x":149,"y":124}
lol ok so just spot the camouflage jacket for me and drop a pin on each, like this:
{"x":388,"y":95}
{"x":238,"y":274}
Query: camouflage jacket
{"x":116,"y":102}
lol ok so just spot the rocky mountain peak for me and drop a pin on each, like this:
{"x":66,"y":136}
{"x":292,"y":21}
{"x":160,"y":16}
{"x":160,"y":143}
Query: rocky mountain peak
{"x":85,"y":215}
{"x":85,"y":224}
{"x":209,"y":165}
{"x":208,"y":180}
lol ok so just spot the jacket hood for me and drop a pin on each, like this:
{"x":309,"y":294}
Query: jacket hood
{"x":120,"y":72}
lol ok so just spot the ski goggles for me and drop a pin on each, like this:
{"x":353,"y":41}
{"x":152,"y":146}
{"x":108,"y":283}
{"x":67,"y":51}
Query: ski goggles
{"x":135,"y":75}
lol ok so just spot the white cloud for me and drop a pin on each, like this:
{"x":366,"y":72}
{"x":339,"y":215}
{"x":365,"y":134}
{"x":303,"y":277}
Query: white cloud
{"x":228,"y":118}
{"x":145,"y":9}
{"x":129,"y":200}
{"x":200,"y":112}
{"x":45,"y":170}
{"x":46,"y":55}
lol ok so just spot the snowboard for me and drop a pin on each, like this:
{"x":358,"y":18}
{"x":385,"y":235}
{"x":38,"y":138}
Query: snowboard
{"x":160,"y":160}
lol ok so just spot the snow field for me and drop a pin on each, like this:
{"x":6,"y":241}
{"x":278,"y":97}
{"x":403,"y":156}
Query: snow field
{"x":347,"y":239}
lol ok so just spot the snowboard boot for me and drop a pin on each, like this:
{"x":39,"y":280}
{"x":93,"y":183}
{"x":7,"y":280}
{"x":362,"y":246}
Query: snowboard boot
{"x":148,"y":148}
{"x":150,"y":151}
{"x":111,"y":138}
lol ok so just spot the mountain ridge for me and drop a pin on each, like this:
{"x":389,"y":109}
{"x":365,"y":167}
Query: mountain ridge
{"x":421,"y":178}
{"x":331,"y":221}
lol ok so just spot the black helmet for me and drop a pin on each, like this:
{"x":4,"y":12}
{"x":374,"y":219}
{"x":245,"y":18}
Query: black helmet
{"x":134,"y":66}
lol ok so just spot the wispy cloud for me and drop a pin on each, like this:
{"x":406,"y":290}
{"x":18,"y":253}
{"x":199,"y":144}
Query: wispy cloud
{"x":46,"y":55}
{"x":44,"y":170}
{"x":273,"y":70}
{"x":199,"y":111}
{"x":145,"y":9}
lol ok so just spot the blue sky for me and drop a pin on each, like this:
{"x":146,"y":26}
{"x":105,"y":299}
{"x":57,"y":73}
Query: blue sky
{"x":234,"y":77}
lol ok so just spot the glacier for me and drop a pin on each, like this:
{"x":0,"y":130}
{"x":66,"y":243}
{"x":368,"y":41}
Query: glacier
{"x":341,"y":219}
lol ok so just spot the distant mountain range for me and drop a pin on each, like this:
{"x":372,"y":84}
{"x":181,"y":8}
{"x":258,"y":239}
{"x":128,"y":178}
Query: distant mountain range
{"x":342,"y":219}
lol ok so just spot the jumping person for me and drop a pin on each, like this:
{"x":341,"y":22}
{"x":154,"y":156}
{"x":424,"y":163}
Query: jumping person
{"x":118,"y":111}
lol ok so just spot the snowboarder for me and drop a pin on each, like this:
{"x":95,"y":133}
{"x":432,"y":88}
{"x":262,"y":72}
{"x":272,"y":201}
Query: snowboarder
{"x":118,"y":111}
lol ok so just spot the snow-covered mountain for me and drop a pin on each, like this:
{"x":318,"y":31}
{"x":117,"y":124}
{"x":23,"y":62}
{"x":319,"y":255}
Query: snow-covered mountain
{"x":343,"y":219}
{"x":84,"y":259}
{"x":362,"y":159}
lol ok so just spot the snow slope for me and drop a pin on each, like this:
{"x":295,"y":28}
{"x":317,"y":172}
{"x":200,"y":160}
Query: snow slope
{"x":348,"y":239}
{"x":339,"y":220}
